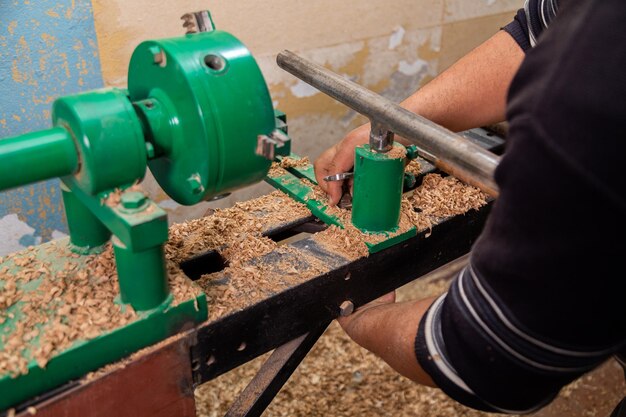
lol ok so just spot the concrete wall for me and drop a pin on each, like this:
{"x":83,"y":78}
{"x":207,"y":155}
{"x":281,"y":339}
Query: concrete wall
{"x":48,"y":48}
{"x":392,"y":47}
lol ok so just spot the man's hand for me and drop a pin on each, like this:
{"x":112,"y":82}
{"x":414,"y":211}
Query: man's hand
{"x":388,"y":329}
{"x":338,"y":159}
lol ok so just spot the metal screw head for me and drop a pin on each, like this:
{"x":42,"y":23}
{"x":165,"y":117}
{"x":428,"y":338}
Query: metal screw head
{"x":346,"y":308}
{"x":381,"y":139}
{"x":133,"y":199}
{"x":195,"y":184}
{"x":158,"y":56}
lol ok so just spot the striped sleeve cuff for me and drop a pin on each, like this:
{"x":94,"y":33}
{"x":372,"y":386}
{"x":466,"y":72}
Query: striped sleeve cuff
{"x":475,"y":351}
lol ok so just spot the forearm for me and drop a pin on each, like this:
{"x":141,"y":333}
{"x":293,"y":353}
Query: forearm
{"x":472,"y":92}
{"x":389,"y":331}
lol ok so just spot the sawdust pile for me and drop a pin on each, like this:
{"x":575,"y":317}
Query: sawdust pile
{"x":440,"y":197}
{"x":239,"y":227}
{"x":236,"y":233}
{"x":437,"y":198}
{"x":74,"y":302}
{"x":115,"y":197}
{"x":289,"y":162}
{"x":78,"y":304}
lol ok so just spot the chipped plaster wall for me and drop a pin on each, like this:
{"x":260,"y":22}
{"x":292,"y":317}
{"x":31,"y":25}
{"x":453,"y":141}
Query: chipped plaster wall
{"x":48,"y":48}
{"x":391,"y":47}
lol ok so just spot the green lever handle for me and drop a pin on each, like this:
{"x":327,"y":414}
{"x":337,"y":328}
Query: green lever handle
{"x":36,"y":156}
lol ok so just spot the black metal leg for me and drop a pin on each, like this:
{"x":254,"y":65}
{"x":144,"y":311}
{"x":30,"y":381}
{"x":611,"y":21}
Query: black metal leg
{"x":260,"y":392}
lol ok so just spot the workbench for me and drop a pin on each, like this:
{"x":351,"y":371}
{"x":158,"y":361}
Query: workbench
{"x":309,"y":285}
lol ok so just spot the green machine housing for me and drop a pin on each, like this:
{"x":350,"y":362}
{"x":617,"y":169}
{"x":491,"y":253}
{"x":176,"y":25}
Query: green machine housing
{"x":198,"y":113}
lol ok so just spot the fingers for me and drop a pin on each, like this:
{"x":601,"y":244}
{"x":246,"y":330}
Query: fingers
{"x":322,"y":165}
{"x":334,"y":161}
{"x":338,"y":159}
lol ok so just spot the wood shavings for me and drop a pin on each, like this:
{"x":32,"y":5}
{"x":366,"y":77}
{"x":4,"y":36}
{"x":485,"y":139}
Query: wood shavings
{"x":440,"y":197}
{"x":244,"y":283}
{"x":75,"y":301}
{"x":278,"y":169}
{"x":413,"y":167}
{"x":289,"y":162}
{"x":230,"y":227}
{"x":70,"y":304}
{"x":397,"y":152}
{"x":348,"y":242}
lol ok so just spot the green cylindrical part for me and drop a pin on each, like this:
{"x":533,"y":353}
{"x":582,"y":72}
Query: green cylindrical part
{"x":36,"y":156}
{"x":203,"y":103}
{"x":377,"y":194}
{"x":141,"y":275}
{"x":87,"y":233}
{"x":109,"y":138}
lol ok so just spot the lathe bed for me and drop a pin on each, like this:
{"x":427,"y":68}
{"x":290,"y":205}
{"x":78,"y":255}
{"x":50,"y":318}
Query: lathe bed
{"x":270,"y":283}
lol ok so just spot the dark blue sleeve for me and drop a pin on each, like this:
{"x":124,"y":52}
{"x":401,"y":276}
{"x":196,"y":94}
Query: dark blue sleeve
{"x":518,"y":29}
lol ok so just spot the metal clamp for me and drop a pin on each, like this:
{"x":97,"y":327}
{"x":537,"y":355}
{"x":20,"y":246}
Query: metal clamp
{"x":198,"y":22}
{"x":381,"y":138}
{"x":266,"y":145}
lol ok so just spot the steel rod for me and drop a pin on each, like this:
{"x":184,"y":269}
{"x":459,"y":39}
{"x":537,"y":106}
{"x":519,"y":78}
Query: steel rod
{"x":449,"y":151}
{"x":274,"y":373}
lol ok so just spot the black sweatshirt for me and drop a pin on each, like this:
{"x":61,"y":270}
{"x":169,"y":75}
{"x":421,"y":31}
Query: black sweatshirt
{"x":544,"y":297}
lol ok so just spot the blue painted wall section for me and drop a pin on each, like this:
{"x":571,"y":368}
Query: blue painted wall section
{"x":48,"y":48}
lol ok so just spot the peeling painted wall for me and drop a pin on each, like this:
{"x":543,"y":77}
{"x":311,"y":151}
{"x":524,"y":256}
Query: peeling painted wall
{"x":48,"y":48}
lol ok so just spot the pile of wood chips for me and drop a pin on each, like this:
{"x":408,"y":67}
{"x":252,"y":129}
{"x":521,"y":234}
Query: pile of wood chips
{"x":71,"y":303}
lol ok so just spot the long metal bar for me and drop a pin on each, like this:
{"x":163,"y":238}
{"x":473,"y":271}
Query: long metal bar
{"x":447,"y":150}
{"x":281,"y":364}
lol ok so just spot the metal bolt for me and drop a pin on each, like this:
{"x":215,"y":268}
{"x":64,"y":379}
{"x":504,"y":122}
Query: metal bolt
{"x":195,"y":184}
{"x":346,"y":308}
{"x":133,"y":199}
{"x":158,"y":56}
{"x":381,"y":139}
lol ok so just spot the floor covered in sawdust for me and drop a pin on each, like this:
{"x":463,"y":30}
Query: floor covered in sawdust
{"x":339,"y":378}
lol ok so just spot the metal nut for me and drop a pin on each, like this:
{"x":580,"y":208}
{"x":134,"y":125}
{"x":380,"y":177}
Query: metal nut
{"x":133,"y":199}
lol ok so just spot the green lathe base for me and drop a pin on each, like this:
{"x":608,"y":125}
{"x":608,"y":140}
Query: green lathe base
{"x":86,"y":353}
{"x":291,"y":183}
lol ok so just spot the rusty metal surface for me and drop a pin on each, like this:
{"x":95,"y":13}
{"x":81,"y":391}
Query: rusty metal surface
{"x":155,"y":382}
